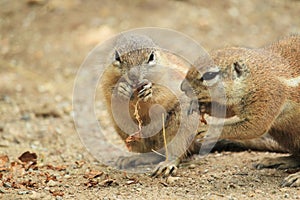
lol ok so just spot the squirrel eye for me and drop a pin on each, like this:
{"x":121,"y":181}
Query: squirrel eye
{"x":151,"y":59}
{"x":117,"y":56}
{"x":209,"y":76}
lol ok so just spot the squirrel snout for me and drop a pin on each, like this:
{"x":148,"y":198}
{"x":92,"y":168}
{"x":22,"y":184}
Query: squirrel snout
{"x":187,"y":88}
{"x":134,"y":76}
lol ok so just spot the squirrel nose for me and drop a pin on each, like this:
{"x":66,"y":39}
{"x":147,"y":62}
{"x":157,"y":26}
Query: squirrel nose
{"x":134,"y":74}
{"x":186,"y":87}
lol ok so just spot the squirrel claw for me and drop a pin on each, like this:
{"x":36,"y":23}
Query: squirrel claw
{"x":165,"y":168}
{"x":284,"y":162}
{"x":146,"y":92}
{"x":124,"y":90}
{"x":293,"y":180}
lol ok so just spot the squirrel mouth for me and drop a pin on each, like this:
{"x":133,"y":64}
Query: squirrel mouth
{"x":214,"y":113}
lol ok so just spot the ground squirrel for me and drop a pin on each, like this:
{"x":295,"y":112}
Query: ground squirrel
{"x":262,"y":88}
{"x":134,"y":75}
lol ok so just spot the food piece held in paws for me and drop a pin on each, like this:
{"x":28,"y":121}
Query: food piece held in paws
{"x":132,"y":139}
{"x":202,"y":112}
{"x":136,"y":137}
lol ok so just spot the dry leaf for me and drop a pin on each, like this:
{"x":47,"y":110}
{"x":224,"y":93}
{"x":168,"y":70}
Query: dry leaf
{"x":132,"y":181}
{"x":50,"y":177}
{"x":57,"y":193}
{"x":136,"y":137}
{"x":108,"y":182}
{"x":80,"y":163}
{"x":91,"y":183}
{"x":47,"y":111}
{"x":31,"y":165}
{"x":4,"y":162}
{"x":163,"y":183}
{"x":29,"y":184}
{"x":93,"y":174}
{"x":28,"y":157}
{"x":56,"y":168}
{"x":3,"y":169}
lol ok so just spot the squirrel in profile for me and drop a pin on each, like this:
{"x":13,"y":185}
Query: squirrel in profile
{"x":262,"y":95}
{"x":131,"y":83}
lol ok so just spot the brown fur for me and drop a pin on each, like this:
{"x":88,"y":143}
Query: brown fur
{"x":262,"y":90}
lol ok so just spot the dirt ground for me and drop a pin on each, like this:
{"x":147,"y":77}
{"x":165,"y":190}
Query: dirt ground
{"x":42,"y":45}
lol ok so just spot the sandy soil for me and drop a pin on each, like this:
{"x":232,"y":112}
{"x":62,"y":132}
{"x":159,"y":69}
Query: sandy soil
{"x":43,"y":43}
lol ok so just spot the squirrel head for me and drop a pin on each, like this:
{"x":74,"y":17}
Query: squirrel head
{"x":222,"y":79}
{"x":134,"y":55}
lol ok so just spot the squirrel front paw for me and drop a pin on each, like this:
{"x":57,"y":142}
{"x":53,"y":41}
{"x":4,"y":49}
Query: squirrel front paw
{"x":124,"y":90}
{"x":145,"y":92}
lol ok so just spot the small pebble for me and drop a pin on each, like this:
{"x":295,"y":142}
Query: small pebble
{"x":25,"y":117}
{"x":6,"y":184}
{"x":52,"y":183}
{"x":5,"y":98}
{"x":192,"y":166}
{"x":251,"y":194}
{"x":58,"y":198}
{"x":172,"y":179}
{"x":67,"y":176}
{"x":36,"y":195}
{"x":23,"y":192}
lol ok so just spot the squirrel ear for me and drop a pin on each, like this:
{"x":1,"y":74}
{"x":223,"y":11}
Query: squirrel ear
{"x":117,"y":56}
{"x":238,"y":69}
{"x":151,"y":59}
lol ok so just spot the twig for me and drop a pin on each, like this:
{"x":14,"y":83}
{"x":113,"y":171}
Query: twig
{"x":158,"y":153}
{"x":164,"y":134}
{"x":137,"y":135}
{"x":136,"y":114}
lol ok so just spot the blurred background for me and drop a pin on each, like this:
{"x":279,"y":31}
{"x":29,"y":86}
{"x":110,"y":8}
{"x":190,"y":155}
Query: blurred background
{"x":50,"y":38}
{"x":43,"y":43}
